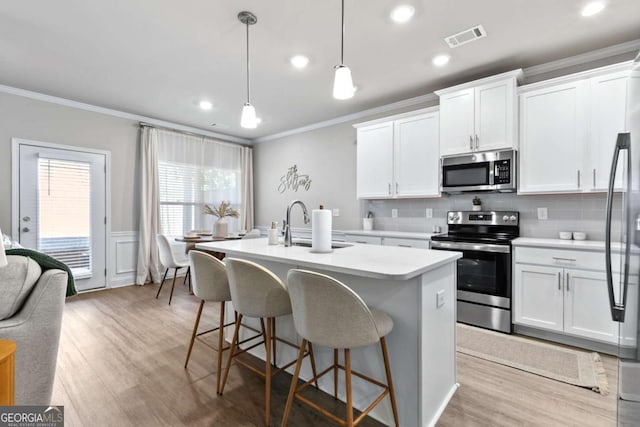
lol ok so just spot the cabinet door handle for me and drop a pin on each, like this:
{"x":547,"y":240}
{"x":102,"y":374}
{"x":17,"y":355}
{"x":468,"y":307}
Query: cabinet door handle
{"x":559,"y":279}
{"x":594,"y":178}
{"x":396,"y":188}
{"x":477,"y":141}
{"x":568,"y":282}
{"x":359,"y":241}
{"x":389,"y":188}
{"x":578,"y":178}
{"x":563,"y":259}
{"x":405,"y":246}
{"x":470,"y":142}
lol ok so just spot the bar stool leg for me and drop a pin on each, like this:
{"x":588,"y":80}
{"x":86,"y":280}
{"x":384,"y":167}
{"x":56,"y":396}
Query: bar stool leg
{"x":312,"y":359}
{"x":294,"y":383}
{"x":267,"y":363}
{"x":335,"y":373}
{"x":273,"y":339}
{"x":220,"y":344}
{"x":387,"y":369}
{"x":193,"y":334}
{"x":173,"y":284}
{"x":162,"y":282}
{"x":347,"y":374}
{"x":232,"y":350}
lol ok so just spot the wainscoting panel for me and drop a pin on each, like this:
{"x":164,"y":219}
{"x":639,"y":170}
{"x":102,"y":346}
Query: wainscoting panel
{"x":123,"y":253}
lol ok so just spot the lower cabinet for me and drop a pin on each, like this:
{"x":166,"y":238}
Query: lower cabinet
{"x":569,"y":300}
{"x":387,"y":241}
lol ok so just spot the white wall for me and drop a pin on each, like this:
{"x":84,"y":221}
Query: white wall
{"x":42,"y":121}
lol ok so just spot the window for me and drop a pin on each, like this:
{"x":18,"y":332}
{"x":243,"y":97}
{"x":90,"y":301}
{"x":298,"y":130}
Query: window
{"x":193,"y":171}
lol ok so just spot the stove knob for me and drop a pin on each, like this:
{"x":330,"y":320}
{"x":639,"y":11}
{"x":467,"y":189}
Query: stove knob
{"x":450,"y":217}
{"x":456,"y":217}
{"x":505,"y":218}
{"x":513,"y":218}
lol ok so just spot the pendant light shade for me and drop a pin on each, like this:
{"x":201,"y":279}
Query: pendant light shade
{"x":342,"y":83}
{"x":248,"y":119}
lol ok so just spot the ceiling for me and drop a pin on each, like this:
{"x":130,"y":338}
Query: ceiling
{"x":159,"y":58}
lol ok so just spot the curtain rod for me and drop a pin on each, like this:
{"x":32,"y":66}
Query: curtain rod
{"x":184,"y":132}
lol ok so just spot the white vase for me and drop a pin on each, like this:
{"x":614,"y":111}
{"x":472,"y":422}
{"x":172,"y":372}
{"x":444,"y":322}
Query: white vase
{"x":220,"y":228}
{"x":477,"y":207}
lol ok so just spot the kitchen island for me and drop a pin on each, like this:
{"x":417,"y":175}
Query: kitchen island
{"x":416,"y":287}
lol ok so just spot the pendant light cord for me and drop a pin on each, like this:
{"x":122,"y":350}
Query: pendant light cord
{"x":342,"y":38}
{"x":248,"y":68}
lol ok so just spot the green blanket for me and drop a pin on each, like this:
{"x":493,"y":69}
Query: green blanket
{"x":47,"y":263}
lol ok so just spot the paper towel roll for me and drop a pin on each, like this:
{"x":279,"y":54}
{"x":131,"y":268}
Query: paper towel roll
{"x":321,"y":230}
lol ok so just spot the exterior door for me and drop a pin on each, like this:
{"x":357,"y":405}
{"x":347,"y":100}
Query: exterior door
{"x":62,"y":208}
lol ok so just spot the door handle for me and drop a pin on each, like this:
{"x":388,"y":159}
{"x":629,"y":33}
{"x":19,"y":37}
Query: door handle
{"x":559,"y":280}
{"x":396,"y":188}
{"x":26,"y":230}
{"x":578,"y":178}
{"x":26,"y":218}
{"x":594,"y":178}
{"x":389,"y":188}
{"x":623,"y":142}
{"x":568,"y":283}
{"x":563,"y":259}
{"x":470,"y":142}
{"x":477,"y":141}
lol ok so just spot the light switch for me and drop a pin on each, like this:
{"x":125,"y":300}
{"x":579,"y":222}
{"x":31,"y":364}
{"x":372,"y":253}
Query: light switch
{"x":543,"y":213}
{"x":429,"y":213}
{"x":335,"y":211}
{"x":394,"y":213}
{"x":440,"y":298}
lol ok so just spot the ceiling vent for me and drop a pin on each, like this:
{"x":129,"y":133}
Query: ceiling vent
{"x":466,"y":36}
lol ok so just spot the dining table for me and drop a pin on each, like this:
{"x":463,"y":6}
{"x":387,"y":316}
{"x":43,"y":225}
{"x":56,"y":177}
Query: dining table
{"x":191,"y":242}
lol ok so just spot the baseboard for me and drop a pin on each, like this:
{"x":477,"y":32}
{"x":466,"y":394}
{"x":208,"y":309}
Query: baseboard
{"x":444,"y":404}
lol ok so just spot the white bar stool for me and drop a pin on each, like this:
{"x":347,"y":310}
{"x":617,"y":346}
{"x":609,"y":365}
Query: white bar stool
{"x":169,"y":261}
{"x":257,"y":292}
{"x":328,"y":313}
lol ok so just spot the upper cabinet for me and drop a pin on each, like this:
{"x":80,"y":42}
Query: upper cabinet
{"x":479,"y":115}
{"x":398,"y":156}
{"x":568,"y":129}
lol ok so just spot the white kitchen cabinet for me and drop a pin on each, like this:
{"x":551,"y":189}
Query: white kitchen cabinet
{"x":565,"y":291}
{"x":356,"y":238}
{"x":374,"y":168}
{"x":405,"y":243}
{"x":399,"y":156}
{"x":552,"y":138}
{"x":479,"y":115}
{"x":538,"y":297}
{"x":568,"y":128}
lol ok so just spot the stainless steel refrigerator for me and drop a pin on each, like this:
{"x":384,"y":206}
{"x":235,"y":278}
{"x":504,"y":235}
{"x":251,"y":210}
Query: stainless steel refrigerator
{"x":623,"y":236}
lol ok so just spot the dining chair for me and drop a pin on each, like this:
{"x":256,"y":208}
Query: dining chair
{"x":169,"y":261}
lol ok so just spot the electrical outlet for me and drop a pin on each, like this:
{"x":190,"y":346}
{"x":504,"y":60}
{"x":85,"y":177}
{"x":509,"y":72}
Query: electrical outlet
{"x":440,"y":298}
{"x":543,"y":213}
{"x":394,"y":213}
{"x":429,"y":213}
{"x":335,"y":212}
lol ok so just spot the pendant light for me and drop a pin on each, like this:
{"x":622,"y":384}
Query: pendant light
{"x":248,"y":119}
{"x":342,"y":83}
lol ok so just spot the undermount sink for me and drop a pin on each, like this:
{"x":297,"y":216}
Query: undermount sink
{"x":334,"y":245}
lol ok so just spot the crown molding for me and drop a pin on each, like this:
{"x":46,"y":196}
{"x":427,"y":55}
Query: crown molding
{"x":115,"y":113}
{"x":430,"y":97}
{"x":632,"y":46}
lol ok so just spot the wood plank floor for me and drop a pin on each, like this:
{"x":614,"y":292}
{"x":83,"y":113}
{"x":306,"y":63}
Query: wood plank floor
{"x":121,"y":364}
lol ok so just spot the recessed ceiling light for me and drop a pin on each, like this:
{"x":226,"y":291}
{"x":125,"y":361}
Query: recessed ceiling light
{"x":593,"y":8}
{"x":206,"y":105}
{"x":300,"y":61}
{"x":402,"y":13}
{"x":440,"y":60}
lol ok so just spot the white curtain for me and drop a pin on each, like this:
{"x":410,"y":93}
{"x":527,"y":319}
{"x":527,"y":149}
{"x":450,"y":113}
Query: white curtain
{"x":148,"y":259}
{"x":246,"y":215}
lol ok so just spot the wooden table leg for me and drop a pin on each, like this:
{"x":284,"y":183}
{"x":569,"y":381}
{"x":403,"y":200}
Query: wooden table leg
{"x":7,"y":372}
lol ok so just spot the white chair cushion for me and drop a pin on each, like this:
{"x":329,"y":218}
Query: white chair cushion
{"x":384,"y":323}
{"x":16,"y":281}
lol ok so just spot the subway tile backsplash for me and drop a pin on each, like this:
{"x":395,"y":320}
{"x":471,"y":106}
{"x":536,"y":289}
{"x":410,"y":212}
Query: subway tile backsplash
{"x":566,"y":212}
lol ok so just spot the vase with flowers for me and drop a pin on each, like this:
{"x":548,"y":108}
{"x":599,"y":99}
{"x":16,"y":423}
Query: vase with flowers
{"x":222,"y":211}
{"x":477,"y":204}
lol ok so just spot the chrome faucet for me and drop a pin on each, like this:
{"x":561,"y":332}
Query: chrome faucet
{"x":286,"y":224}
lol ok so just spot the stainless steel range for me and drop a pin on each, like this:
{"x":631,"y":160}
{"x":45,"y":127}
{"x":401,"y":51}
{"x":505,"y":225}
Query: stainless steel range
{"x":484,"y":271}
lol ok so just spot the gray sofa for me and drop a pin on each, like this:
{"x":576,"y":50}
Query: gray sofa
{"x":31,"y":304}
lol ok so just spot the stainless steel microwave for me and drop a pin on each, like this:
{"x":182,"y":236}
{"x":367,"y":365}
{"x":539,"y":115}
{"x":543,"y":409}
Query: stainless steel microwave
{"x":485,"y":171}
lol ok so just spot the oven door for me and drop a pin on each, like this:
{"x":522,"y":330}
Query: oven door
{"x":484,"y":272}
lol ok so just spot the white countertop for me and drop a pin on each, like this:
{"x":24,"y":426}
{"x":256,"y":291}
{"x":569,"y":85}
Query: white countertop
{"x":380,"y":262}
{"x":585,"y":245}
{"x":386,"y":233}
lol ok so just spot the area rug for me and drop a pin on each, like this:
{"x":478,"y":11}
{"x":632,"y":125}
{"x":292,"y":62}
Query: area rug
{"x":577,"y":367}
